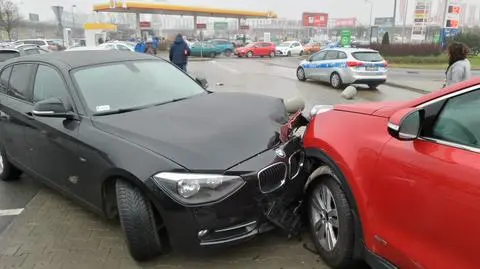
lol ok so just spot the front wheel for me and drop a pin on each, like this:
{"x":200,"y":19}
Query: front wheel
{"x":139,"y":223}
{"x":336,"y":81}
{"x":301,"y":74}
{"x":301,"y":53}
{"x":8,"y":172}
{"x":227,"y":53}
{"x":331,"y":223}
{"x":249,"y":54}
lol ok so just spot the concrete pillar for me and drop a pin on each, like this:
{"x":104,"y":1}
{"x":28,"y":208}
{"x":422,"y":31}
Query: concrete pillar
{"x":195,"y":25}
{"x":137,"y":25}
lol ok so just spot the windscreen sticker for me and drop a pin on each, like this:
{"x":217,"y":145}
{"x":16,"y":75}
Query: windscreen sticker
{"x":103,"y":108}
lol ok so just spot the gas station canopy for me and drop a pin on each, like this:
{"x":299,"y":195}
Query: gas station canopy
{"x":160,"y":8}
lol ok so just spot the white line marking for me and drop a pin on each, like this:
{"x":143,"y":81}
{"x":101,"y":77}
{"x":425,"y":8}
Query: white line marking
{"x":231,"y":70}
{"x":10,"y":212}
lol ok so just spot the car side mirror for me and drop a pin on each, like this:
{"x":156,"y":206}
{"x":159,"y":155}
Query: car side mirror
{"x":52,"y":107}
{"x":203,"y":82}
{"x":406,"y":124}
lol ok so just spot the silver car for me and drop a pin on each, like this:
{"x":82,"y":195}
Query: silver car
{"x":344,"y":66}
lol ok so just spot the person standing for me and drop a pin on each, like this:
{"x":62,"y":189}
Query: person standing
{"x":179,"y":52}
{"x":149,"y":48}
{"x":459,"y":68}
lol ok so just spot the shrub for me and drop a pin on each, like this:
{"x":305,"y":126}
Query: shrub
{"x":386,"y":39}
{"x":425,"y":60}
{"x":470,"y":39}
{"x":397,"y":50}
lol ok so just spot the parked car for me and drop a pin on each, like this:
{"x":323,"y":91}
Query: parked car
{"x":27,"y":49}
{"x":312,"y":48}
{"x":344,"y":66}
{"x":387,"y":193}
{"x":7,"y":53}
{"x":46,"y":44}
{"x":222,"y":46}
{"x":289,"y":48}
{"x":261,"y":49}
{"x":203,"y":49}
{"x":117,"y":45}
{"x":180,"y":165}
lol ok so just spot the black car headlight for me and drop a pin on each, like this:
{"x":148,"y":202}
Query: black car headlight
{"x":189,"y":188}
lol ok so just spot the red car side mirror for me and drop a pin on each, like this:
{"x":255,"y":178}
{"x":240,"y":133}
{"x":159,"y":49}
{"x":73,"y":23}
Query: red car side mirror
{"x":406,"y":124}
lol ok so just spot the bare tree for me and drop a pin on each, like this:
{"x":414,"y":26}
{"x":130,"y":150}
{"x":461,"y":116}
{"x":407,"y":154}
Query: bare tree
{"x":9,"y":17}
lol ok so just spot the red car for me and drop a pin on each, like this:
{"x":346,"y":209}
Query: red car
{"x":397,"y":184}
{"x":257,"y":49}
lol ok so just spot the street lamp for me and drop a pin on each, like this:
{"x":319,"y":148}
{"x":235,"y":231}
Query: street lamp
{"x":371,"y":10}
{"x":73,"y":19}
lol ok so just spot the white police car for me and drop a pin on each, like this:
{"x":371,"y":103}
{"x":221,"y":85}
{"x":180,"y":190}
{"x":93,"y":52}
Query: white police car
{"x":344,"y":66}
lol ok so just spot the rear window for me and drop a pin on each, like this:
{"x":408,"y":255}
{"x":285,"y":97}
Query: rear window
{"x":49,"y":42}
{"x":5,"y":55}
{"x":367,"y":56}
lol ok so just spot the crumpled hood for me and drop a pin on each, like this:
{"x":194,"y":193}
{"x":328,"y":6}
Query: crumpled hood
{"x":209,"y":132}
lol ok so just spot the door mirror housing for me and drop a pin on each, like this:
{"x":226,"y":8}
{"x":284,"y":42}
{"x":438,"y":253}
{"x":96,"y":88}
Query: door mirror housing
{"x":406,"y":124}
{"x":52,"y":107}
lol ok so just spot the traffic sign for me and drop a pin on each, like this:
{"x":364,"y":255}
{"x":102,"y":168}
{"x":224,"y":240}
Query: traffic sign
{"x":346,"y":38}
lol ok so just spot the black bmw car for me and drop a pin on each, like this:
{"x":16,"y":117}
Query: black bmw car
{"x":131,"y":136}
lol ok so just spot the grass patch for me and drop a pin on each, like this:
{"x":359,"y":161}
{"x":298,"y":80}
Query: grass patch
{"x":427,"y":62}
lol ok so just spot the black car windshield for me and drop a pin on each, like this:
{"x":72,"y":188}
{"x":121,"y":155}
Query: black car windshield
{"x":128,"y":85}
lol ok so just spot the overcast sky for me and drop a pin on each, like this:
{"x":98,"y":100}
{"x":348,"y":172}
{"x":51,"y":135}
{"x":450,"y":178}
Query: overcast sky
{"x":288,"y":9}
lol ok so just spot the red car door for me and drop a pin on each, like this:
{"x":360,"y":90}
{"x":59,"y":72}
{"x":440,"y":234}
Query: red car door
{"x":424,"y":205}
{"x":265,"y":49}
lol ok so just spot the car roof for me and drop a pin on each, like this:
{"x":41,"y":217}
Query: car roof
{"x":9,"y":49}
{"x":74,"y":59}
{"x":352,"y":50}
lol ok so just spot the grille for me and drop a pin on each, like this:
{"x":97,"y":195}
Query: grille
{"x":272,"y":177}
{"x":296,"y":162}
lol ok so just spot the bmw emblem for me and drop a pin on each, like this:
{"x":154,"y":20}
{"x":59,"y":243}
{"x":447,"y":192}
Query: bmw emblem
{"x":280,"y":153}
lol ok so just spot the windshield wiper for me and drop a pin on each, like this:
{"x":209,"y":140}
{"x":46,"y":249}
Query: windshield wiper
{"x":118,"y":111}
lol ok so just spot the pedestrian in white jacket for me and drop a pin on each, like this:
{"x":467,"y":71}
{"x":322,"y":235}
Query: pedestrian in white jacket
{"x":459,"y":68}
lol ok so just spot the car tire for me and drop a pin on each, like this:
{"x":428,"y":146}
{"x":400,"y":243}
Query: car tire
{"x":249,"y":54}
{"x":373,"y":86}
{"x":301,"y":74}
{"x":301,"y":53}
{"x":8,"y":172}
{"x":272,"y":54}
{"x":336,"y":81}
{"x":138,"y":221}
{"x":321,"y":219}
{"x":227,"y":53}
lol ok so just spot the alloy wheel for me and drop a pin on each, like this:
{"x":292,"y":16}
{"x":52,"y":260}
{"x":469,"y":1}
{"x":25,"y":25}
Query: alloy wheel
{"x":325,"y":217}
{"x":301,"y":74}
{"x":335,"y":80}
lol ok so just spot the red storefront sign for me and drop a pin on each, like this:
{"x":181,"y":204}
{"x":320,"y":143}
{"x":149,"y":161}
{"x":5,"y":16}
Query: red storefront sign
{"x":145,"y":24}
{"x":201,"y":26}
{"x":348,"y":22}
{"x":315,"y":19}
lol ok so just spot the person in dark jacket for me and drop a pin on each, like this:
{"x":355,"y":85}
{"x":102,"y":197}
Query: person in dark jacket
{"x":179,"y":52}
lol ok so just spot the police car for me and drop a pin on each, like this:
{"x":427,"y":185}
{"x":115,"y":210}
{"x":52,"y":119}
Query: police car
{"x":344,"y":66}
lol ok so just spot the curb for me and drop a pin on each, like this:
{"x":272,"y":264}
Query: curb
{"x":405,"y":87}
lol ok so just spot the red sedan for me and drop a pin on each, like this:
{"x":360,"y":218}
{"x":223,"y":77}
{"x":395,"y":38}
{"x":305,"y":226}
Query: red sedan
{"x":257,"y":49}
{"x":397,"y":184}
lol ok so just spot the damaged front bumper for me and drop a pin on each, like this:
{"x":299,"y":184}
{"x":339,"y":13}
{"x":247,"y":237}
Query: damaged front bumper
{"x":271,"y":196}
